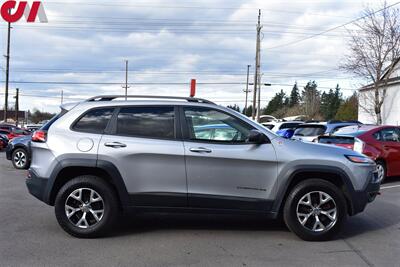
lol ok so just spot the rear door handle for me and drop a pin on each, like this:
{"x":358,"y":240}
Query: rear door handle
{"x":115,"y":144}
{"x":200,"y":150}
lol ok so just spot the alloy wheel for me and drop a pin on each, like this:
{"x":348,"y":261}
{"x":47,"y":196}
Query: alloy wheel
{"x":84,"y":208}
{"x":381,"y":172}
{"x":317,"y":211}
{"x":20,"y":159}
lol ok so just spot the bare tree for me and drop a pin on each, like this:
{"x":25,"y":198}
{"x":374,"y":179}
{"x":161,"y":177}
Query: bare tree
{"x":374,"y":52}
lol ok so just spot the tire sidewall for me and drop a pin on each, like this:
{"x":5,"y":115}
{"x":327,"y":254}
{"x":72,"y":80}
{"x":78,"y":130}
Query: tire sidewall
{"x":106,"y":194}
{"x":380,"y":162}
{"x":290,"y":210}
{"x":26,"y":157}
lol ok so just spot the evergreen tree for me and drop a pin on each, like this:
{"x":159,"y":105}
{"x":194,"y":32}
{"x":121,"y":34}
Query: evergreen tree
{"x":348,"y":110}
{"x":330,"y":103}
{"x":249,"y":111}
{"x":294,"y":98}
{"x":276,"y":103}
{"x":234,"y":107}
{"x":311,"y":99}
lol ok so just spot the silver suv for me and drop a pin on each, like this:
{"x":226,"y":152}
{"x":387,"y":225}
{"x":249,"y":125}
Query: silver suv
{"x":103,"y":156}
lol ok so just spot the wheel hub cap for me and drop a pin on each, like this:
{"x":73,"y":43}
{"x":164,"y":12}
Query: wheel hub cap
{"x":316,"y":211}
{"x":84,"y":208}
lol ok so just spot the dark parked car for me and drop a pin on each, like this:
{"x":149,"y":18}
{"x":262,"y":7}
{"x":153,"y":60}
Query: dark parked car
{"x":18,"y":151}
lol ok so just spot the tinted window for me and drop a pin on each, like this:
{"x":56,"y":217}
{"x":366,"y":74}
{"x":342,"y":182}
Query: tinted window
{"x":312,"y":130}
{"x":94,"y":121}
{"x":221,"y":126}
{"x":152,"y":122}
{"x":289,"y":125}
{"x":336,"y":140}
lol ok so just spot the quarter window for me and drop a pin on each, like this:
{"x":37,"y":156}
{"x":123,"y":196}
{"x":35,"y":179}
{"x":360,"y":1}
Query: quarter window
{"x":206,"y":124}
{"x":151,"y":122}
{"x":94,"y":121}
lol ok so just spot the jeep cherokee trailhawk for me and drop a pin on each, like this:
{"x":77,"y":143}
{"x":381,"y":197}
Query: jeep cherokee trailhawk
{"x":103,"y":156}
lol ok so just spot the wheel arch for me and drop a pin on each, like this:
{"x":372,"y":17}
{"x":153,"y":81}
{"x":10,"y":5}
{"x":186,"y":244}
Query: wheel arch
{"x":69,"y":169}
{"x":333,"y":175}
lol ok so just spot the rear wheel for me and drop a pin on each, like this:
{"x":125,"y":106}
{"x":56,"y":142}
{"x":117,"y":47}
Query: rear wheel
{"x":86,"y":207}
{"x":315,"y":210}
{"x":20,"y":159}
{"x":381,"y":169}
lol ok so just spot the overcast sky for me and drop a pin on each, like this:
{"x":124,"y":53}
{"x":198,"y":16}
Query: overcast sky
{"x":174,"y":41}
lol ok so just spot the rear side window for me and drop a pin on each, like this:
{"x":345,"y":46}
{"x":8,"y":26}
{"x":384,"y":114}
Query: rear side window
{"x":312,"y":130}
{"x":150,"y":122}
{"x":94,"y":121}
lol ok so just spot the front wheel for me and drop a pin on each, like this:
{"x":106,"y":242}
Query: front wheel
{"x":20,"y":159}
{"x":86,"y":207}
{"x":315,"y":210}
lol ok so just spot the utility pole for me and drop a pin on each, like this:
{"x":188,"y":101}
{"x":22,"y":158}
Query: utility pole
{"x":247,"y":91}
{"x":62,"y":96}
{"x":126,"y":80}
{"x":7,"y":71}
{"x":257,"y":68}
{"x":16,"y":106}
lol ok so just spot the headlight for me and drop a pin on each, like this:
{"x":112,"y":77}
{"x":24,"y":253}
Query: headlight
{"x":359,"y":159}
{"x":358,"y":145}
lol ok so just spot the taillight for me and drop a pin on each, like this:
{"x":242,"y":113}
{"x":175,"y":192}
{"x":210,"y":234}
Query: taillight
{"x":39,"y":136}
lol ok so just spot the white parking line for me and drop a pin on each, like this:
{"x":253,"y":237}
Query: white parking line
{"x":392,"y":186}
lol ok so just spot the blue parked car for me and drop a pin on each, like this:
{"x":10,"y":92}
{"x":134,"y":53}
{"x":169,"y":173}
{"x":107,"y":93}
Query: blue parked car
{"x":19,"y":152}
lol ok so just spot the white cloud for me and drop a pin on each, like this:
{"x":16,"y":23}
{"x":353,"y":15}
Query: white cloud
{"x":169,"y":44}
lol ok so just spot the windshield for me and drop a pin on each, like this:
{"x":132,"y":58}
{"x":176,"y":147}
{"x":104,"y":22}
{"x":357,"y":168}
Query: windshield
{"x":310,"y":130}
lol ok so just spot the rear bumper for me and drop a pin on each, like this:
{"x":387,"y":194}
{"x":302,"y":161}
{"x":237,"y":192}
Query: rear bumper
{"x":37,"y":186}
{"x":360,"y":199}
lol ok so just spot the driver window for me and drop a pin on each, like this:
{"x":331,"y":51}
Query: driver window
{"x":207,"y":124}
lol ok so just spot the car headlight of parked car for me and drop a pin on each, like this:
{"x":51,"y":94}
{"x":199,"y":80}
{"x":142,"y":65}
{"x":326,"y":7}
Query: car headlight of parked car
{"x":358,"y":145}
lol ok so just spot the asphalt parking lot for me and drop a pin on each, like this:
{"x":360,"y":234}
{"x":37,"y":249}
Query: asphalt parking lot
{"x":30,"y":236}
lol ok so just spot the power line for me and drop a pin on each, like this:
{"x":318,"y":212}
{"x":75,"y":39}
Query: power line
{"x":334,"y":28}
{"x":157,"y":83}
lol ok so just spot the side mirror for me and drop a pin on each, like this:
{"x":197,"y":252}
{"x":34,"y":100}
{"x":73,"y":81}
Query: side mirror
{"x":257,"y":137}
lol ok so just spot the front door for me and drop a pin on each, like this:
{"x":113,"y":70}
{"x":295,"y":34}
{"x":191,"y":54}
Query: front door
{"x":224,"y":171}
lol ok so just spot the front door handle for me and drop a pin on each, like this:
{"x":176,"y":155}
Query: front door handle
{"x":200,"y":150}
{"x":115,"y":144}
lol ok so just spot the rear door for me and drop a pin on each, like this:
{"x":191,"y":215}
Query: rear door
{"x":145,"y":146}
{"x":224,"y":171}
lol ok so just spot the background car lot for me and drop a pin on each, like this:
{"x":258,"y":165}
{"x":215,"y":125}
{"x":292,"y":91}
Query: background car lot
{"x":30,"y":236}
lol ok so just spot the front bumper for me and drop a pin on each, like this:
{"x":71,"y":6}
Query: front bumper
{"x":36,"y":186}
{"x":360,"y":199}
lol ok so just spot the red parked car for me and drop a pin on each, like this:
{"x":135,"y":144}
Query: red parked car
{"x":380,"y":143}
{"x":12,"y":134}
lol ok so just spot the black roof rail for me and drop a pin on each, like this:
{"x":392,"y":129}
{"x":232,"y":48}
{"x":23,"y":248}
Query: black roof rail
{"x":112,"y":97}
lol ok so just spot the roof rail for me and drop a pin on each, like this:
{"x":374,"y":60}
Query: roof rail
{"x":112,"y":97}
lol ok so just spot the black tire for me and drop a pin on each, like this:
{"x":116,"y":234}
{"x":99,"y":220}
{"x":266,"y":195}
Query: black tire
{"x":20,"y":159}
{"x":381,"y":163}
{"x":109,"y":204}
{"x":292,"y":203}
